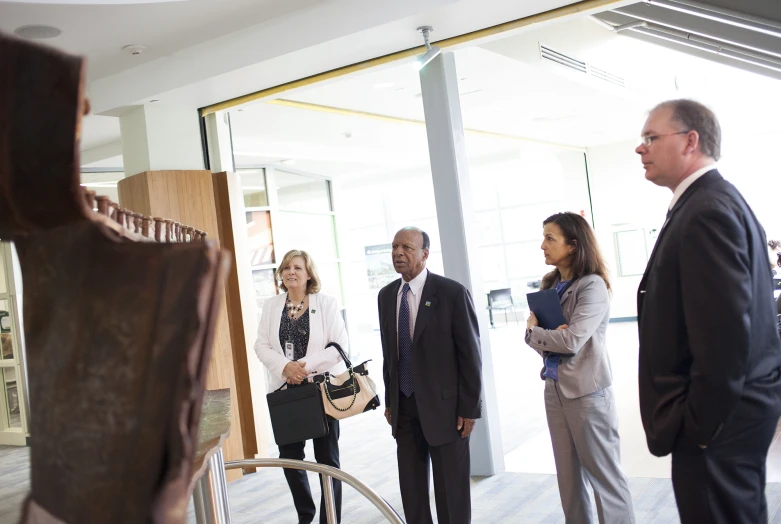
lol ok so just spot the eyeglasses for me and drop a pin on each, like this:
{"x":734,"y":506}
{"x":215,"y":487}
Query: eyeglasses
{"x":648,"y":140}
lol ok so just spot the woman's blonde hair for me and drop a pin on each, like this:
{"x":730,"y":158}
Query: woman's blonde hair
{"x":313,"y":285}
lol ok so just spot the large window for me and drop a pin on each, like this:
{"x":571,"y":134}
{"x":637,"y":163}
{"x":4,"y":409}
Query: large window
{"x":512,"y":194}
{"x":288,"y":210}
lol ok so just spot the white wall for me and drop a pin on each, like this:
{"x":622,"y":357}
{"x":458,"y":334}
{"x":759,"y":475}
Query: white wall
{"x":512,"y":195}
{"x":751,"y":163}
{"x":369,"y":211}
{"x":622,"y":199}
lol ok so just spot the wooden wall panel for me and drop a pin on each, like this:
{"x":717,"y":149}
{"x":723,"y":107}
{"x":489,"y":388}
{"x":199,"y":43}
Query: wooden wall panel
{"x":240,"y":298}
{"x":188,"y":197}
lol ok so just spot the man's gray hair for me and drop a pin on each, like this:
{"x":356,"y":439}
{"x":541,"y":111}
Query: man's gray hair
{"x":426,"y":239}
{"x":694,"y":116}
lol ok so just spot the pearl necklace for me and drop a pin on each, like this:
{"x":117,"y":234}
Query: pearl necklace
{"x":292,"y":309}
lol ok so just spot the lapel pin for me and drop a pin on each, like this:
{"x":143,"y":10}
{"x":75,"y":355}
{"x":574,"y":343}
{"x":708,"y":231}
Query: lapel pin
{"x":428,"y":303}
{"x":314,"y":311}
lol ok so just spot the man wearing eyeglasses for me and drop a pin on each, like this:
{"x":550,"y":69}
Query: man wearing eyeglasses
{"x":710,"y":355}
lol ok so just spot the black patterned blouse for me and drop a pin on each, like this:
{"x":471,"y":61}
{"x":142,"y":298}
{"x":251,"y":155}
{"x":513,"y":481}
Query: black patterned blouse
{"x":295,"y":331}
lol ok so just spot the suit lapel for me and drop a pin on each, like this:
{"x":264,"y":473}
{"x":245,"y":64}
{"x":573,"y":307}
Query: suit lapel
{"x":276,"y":321}
{"x":428,"y":301}
{"x":703,"y":180}
{"x":711,"y":176}
{"x":566,"y":294}
{"x":391,"y":322}
{"x":316,"y":331}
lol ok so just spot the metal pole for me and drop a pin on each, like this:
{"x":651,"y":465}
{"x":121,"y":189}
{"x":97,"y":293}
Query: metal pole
{"x":456,"y":221}
{"x":328,"y":491}
{"x":210,"y":496}
{"x":198,"y":504}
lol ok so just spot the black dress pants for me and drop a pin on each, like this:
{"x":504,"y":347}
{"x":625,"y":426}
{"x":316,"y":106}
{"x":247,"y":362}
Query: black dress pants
{"x":326,"y":452}
{"x":724,"y":483}
{"x":451,"y":471}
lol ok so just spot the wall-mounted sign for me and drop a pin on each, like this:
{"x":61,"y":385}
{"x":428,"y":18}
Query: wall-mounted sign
{"x":379,"y":265}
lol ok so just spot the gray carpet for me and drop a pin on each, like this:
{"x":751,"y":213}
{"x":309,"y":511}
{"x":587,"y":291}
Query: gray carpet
{"x":505,"y":498}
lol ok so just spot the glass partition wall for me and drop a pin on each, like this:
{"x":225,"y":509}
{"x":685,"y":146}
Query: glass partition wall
{"x":287,"y":209}
{"x":13,"y":423}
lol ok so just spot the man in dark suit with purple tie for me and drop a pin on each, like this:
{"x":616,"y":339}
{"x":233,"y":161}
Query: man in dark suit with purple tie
{"x":432,"y":369}
{"x":710,"y":355}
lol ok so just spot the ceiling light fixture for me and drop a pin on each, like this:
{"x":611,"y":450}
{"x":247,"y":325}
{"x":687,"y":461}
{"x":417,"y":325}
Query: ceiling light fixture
{"x":431,"y":51}
{"x":723,"y":15}
{"x":37,"y":32}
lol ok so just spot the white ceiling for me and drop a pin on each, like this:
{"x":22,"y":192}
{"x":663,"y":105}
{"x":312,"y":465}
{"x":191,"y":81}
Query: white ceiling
{"x":99,"y":32}
{"x":505,"y":88}
{"x":98,"y":131}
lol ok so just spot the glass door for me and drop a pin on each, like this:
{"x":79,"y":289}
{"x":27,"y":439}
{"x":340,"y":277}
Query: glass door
{"x":13,"y":420}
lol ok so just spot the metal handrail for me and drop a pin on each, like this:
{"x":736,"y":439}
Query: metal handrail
{"x":328,"y":472}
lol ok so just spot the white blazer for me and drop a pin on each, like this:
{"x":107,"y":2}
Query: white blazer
{"x":325,"y":325}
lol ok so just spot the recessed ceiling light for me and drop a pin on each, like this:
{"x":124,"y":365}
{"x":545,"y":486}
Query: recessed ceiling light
{"x":384,"y":85}
{"x":37,"y":32}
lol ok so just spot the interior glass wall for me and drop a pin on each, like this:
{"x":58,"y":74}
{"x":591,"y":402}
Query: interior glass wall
{"x":12,"y":416}
{"x":288,"y":210}
{"x":541,"y":137}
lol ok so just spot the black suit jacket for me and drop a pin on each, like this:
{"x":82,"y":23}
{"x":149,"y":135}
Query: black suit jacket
{"x":446,"y":359}
{"x":709,"y":349}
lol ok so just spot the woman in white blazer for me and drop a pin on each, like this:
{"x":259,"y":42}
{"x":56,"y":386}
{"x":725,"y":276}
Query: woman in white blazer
{"x":294,"y":329}
{"x":579,"y":402}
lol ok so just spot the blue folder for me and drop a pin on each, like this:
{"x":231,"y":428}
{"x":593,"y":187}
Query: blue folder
{"x":547,"y":307}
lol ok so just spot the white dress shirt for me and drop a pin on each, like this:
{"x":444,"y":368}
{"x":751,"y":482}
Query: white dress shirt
{"x":413,"y":298}
{"x":688,"y":181}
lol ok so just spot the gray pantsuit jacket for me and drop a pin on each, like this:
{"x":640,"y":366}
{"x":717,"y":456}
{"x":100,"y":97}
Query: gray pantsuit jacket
{"x":585,"y":366}
{"x":580,"y":408}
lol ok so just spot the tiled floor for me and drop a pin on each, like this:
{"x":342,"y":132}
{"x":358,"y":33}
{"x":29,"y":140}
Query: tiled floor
{"x":525,"y":493}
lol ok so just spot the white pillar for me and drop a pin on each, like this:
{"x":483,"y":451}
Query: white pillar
{"x":219,"y":141}
{"x":160,"y":137}
{"x":450,"y":173}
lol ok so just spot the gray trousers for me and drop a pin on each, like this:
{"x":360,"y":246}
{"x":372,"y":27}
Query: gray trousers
{"x":586,"y":447}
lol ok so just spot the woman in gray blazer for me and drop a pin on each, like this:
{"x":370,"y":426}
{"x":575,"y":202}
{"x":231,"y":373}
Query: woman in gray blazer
{"x":579,"y":401}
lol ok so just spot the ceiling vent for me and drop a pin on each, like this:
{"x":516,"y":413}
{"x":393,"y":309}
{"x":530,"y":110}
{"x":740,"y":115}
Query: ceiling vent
{"x":562,"y":59}
{"x":578,"y":65}
{"x":607,"y":77}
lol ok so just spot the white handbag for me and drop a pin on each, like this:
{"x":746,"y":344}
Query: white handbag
{"x":349,"y":393}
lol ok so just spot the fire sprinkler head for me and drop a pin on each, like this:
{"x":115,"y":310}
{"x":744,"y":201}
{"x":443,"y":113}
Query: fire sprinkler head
{"x":135,"y":49}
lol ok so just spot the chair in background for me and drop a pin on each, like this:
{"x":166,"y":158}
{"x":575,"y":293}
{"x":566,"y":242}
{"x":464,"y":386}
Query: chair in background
{"x":500,"y":300}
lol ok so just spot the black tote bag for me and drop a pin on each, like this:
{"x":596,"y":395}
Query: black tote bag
{"x":297,"y":413}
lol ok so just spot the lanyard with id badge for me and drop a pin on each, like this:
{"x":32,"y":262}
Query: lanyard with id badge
{"x":295,"y":332}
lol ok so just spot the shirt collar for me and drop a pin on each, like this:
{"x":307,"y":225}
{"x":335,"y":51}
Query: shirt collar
{"x":416,"y":284}
{"x":688,"y":181}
